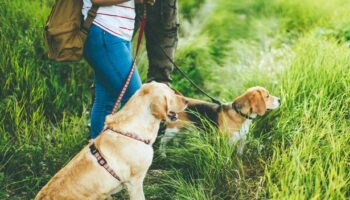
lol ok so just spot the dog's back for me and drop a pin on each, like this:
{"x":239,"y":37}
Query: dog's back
{"x":197,"y":111}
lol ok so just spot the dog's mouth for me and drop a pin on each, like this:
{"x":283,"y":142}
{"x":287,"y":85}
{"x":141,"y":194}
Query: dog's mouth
{"x":172,"y":116}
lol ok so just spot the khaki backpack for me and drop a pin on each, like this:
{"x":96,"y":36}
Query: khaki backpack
{"x":66,"y":31}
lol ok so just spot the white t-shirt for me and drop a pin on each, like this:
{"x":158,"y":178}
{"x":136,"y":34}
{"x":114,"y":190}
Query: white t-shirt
{"x":118,"y":20}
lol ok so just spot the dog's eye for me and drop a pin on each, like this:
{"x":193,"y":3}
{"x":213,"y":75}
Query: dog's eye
{"x":268,"y":96}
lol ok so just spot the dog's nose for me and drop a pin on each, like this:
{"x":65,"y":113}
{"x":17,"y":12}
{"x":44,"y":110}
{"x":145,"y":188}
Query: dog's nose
{"x":279,"y":100}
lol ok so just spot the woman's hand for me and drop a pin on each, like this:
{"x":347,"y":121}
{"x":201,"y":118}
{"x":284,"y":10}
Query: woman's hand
{"x":150,"y":2}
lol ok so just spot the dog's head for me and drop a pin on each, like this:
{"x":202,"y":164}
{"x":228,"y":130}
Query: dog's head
{"x":164,"y":102}
{"x":257,"y":100}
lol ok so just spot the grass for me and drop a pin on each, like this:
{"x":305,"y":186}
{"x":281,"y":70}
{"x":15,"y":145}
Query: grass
{"x":298,"y":49}
{"x":315,"y":163}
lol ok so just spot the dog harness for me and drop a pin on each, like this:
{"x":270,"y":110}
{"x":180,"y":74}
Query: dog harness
{"x":102,"y":161}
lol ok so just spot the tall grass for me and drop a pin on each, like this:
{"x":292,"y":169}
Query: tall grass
{"x":297,"y":49}
{"x":43,"y":104}
{"x":310,"y":159}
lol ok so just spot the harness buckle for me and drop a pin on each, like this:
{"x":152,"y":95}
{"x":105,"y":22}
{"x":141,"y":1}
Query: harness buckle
{"x":93,"y":149}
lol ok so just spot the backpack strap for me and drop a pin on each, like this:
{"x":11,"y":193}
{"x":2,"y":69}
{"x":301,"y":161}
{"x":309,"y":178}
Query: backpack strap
{"x":90,"y":18}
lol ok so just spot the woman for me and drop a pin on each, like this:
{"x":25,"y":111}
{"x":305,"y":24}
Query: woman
{"x":108,"y":51}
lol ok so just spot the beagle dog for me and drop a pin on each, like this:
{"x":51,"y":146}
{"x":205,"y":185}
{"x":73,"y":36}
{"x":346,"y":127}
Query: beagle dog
{"x":122,"y":153}
{"x":232,"y":118}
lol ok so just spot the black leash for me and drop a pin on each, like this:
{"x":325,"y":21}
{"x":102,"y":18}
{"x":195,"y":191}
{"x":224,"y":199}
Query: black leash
{"x":188,"y":79}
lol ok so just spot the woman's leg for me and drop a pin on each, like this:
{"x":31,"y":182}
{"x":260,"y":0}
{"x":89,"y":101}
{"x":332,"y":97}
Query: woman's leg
{"x":123,"y":57}
{"x":102,"y":106}
{"x":111,"y":60}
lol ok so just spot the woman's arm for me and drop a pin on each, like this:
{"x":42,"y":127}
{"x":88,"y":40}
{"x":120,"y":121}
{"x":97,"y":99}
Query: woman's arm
{"x":107,"y":2}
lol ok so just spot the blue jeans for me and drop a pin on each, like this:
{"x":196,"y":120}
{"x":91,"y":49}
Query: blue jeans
{"x":111,"y":59}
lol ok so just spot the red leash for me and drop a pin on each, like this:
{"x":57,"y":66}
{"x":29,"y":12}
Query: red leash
{"x":93,"y":149}
{"x":139,"y":40}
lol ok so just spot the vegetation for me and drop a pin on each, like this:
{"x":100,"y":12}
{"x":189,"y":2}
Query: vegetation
{"x":298,"y":49}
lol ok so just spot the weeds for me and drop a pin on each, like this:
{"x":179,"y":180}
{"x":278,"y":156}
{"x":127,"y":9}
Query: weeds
{"x":297,"y":49}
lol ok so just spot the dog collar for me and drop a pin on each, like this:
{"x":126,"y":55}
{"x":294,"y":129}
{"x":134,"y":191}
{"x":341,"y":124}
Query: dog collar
{"x":130,"y":135}
{"x":240,"y":112}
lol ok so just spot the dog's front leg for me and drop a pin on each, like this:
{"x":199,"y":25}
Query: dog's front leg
{"x":135,"y":189}
{"x":240,"y":145}
{"x":238,"y":138}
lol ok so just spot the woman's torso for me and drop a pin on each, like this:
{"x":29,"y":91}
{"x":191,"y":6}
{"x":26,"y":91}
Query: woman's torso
{"x":118,"y":20}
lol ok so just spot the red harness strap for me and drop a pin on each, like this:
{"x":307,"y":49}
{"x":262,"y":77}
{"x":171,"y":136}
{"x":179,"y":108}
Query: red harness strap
{"x":94,"y":151}
{"x":130,"y":135}
{"x":102,"y":161}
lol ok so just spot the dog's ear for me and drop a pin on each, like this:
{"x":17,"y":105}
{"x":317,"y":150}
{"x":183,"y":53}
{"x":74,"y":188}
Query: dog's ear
{"x":160,"y":107}
{"x":240,"y":101}
{"x":258,"y":103}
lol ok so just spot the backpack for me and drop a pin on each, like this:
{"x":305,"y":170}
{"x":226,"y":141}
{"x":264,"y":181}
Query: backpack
{"x":66,"y":31}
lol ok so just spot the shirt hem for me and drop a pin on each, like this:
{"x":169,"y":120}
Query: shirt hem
{"x":111,"y":32}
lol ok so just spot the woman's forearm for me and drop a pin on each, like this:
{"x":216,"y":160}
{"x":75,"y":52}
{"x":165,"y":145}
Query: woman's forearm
{"x":107,"y":2}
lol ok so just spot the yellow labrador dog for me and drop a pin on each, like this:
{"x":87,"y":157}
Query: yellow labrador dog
{"x":122,"y":153}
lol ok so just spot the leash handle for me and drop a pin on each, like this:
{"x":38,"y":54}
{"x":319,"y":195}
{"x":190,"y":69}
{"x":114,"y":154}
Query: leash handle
{"x":132,"y":69}
{"x":188,"y":79}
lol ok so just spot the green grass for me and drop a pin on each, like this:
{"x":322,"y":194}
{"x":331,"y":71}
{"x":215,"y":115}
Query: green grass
{"x":298,"y":49}
{"x":311,"y":158}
